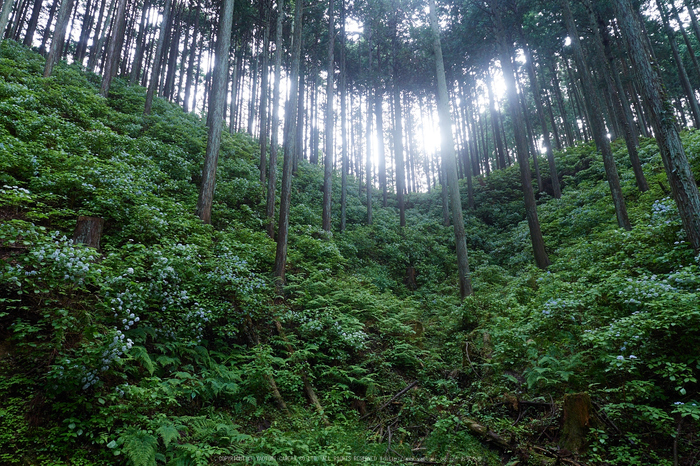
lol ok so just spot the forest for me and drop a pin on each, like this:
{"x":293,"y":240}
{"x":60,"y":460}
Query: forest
{"x":389,"y":232}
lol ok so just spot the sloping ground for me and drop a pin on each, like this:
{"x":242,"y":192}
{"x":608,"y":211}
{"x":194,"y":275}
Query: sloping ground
{"x":164,"y":345}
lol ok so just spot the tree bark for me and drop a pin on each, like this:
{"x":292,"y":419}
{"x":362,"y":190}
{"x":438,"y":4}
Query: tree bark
{"x":112,"y":49}
{"x":682,"y":74}
{"x":289,"y":146}
{"x":534,"y":88}
{"x":448,"y":157}
{"x":88,"y":231}
{"x":272,"y":176}
{"x":33,"y":21}
{"x":680,"y":177}
{"x":603,"y":45}
{"x":217,"y":100}
{"x":58,"y":35}
{"x":328,"y":161}
{"x":5,"y":16}
{"x":596,"y":121}
{"x":541,"y":258}
{"x":263,"y":98}
{"x":157,"y":59}
{"x":343,"y":121}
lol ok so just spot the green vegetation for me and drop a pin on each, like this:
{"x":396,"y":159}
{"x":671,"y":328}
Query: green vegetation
{"x":160,"y":347}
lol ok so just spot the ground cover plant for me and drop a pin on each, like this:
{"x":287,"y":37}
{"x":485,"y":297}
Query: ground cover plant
{"x":169,"y":344}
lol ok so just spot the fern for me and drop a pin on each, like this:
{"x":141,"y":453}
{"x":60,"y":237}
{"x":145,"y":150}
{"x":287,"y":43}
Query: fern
{"x":140,"y":447}
{"x":140,"y":354}
{"x":168,"y":432}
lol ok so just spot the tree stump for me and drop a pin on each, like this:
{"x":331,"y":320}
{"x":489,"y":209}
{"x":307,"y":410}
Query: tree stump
{"x":578,"y":419}
{"x":88,"y":231}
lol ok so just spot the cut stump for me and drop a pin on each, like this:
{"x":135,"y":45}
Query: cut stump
{"x":88,"y":231}
{"x":578,"y":419}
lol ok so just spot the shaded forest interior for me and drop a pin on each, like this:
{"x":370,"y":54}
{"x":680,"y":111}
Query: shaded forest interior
{"x":393,"y":232}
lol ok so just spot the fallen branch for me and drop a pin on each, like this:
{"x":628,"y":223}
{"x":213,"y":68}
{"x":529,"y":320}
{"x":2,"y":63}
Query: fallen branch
{"x":253,"y":337}
{"x":394,"y":398}
{"x":307,"y":384}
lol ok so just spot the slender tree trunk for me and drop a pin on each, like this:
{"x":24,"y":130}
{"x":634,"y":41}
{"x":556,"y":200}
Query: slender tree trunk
{"x":328,"y":162}
{"x":100,"y":36}
{"x":190,"y":66}
{"x":448,"y":157}
{"x":112,"y":49}
{"x":263,"y":98}
{"x":534,"y":88}
{"x":681,"y":179}
{"x":169,"y":87}
{"x":290,"y":129}
{"x":18,"y":20}
{"x":556,"y":87}
{"x":686,"y":39}
{"x":216,"y":112}
{"x":682,"y":74}
{"x":607,"y":67}
{"x":693,"y":18}
{"x":381,"y":168}
{"x":5,"y":16}
{"x":343,"y":122}
{"x":596,"y":121}
{"x":58,"y":35}
{"x":368,"y":132}
{"x":157,"y":59}
{"x":272,"y":177}
{"x":541,"y":258}
{"x":498,"y":142}
{"x":33,"y":21}
{"x":47,"y":28}
{"x":398,"y":152}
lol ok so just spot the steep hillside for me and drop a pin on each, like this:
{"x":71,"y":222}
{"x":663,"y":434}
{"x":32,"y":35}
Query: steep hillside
{"x":169,"y":344}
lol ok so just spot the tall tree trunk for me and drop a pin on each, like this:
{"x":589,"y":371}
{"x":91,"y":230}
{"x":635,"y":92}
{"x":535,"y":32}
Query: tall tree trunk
{"x":448,"y":157}
{"x":289,"y":145}
{"x":343,"y":122}
{"x":686,"y":39}
{"x":272,"y":177}
{"x":216,"y":112}
{"x":682,"y":74}
{"x":398,"y":151}
{"x":113,"y":50}
{"x":381,"y":162}
{"x":328,"y":161}
{"x":556,"y":87}
{"x":607,"y":67}
{"x":368,"y":132}
{"x":158,"y":58}
{"x":498,"y":142}
{"x":541,"y":258}
{"x":5,"y":16}
{"x":190,"y":65}
{"x":100,"y":36}
{"x":681,"y":179}
{"x":534,"y":88}
{"x":693,"y":18}
{"x":58,"y":35}
{"x":47,"y":28}
{"x":596,"y":120}
{"x":33,"y":21}
{"x":263,"y":97}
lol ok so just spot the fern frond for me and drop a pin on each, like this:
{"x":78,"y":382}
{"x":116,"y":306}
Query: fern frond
{"x":140,"y":447}
{"x":168,"y":432}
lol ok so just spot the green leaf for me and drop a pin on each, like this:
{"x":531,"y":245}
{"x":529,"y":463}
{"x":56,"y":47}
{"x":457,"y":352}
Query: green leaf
{"x":168,"y":432}
{"x":140,"y":354}
{"x":140,"y":447}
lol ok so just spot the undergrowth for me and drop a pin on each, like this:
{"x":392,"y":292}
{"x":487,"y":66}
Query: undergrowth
{"x":161,"y":347}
